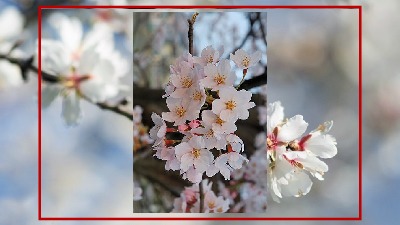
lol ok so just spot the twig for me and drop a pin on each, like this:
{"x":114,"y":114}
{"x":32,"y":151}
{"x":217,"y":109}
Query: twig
{"x":190,"y":32}
{"x":201,"y":193}
{"x":121,"y":109}
{"x":263,"y":32}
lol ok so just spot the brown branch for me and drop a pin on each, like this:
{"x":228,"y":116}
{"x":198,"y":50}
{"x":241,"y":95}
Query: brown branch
{"x":190,"y":31}
{"x":201,"y":193}
{"x":120,"y":108}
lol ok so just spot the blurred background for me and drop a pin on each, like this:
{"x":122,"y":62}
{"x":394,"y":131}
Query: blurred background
{"x":312,"y":69}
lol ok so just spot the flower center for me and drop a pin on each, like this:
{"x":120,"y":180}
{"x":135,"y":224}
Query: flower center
{"x":230,"y":105}
{"x":246,"y":61}
{"x":196,"y":153}
{"x":186,"y":82}
{"x":75,"y":80}
{"x":211,"y":205}
{"x":219,"y":121}
{"x":180,"y":111}
{"x":210,"y":133}
{"x":210,"y":59}
{"x":219,"y":79}
{"x":197,"y":96}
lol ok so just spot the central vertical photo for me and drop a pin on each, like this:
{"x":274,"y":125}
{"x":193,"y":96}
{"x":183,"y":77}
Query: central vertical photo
{"x":200,"y":112}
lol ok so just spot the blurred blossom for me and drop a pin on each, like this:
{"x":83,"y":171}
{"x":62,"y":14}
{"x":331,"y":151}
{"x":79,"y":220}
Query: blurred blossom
{"x":11,"y":18}
{"x":86,"y":64}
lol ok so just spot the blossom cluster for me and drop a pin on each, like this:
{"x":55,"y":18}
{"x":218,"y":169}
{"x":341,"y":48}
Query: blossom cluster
{"x":86,"y":64}
{"x":189,"y":200}
{"x":204,"y":107}
{"x":292,"y":155}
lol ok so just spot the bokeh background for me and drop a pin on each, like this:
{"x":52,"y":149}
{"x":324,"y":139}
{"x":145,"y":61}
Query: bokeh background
{"x":312,"y":70}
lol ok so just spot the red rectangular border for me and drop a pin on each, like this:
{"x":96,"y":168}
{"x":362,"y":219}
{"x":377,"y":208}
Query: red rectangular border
{"x":357,"y":7}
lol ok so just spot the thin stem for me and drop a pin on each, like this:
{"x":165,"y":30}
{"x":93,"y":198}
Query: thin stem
{"x":241,"y":81}
{"x":190,"y":37}
{"x":201,"y":193}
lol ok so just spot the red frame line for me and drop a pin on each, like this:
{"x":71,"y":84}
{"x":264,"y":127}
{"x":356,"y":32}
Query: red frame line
{"x":357,"y":7}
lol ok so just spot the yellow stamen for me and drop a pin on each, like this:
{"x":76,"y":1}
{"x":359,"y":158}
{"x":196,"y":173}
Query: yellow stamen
{"x":186,"y":82}
{"x":196,"y":153}
{"x":246,"y":61}
{"x":219,"y":121}
{"x":230,"y":105}
{"x":180,"y":111}
{"x":219,"y":79}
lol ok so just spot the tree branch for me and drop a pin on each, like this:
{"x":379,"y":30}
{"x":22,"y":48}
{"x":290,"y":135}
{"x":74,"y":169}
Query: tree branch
{"x":201,"y":193}
{"x":190,"y":31}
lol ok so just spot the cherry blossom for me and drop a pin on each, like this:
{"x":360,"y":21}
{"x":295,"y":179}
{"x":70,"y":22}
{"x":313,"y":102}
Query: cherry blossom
{"x":218,"y":125}
{"x":217,"y":77}
{"x":167,"y":153}
{"x":226,"y":163}
{"x":180,"y":111}
{"x":208,"y":56}
{"x":232,"y":104}
{"x":292,"y":155}
{"x":157,"y":133}
{"x":86,"y":64}
{"x":184,"y":80}
{"x":244,"y":60}
{"x":194,"y":154}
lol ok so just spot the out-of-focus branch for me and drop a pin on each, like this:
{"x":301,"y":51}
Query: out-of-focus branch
{"x":27,"y":64}
{"x":262,"y":29}
{"x":250,"y":33}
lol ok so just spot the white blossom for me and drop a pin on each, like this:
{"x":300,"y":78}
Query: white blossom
{"x":232,"y":104}
{"x":218,"y":125}
{"x":244,"y":60}
{"x":157,"y":133}
{"x":209,"y":56}
{"x":291,"y":154}
{"x":193,"y":153}
{"x":86,"y":64}
{"x":180,"y":111}
{"x":217,"y":77}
